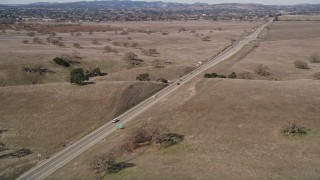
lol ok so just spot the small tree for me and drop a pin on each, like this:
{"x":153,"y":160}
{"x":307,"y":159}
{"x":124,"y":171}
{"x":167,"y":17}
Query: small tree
{"x":245,"y":75}
{"x":150,"y":52}
{"x":107,"y":49}
{"x":182,"y":29}
{"x":205,"y":38}
{"x":31,"y":34}
{"x":37,"y":40}
{"x":61,"y":62}
{"x":76,"y":45}
{"x":102,"y":163}
{"x":95,"y":41}
{"x":125,"y":44}
{"x":262,"y":70}
{"x":77,"y":76}
{"x":233,"y":75}
{"x":317,"y":75}
{"x":130,"y":56}
{"x":315,"y":59}
{"x":301,"y":64}
{"x":25,"y":41}
{"x":134,"y":45}
{"x":143,"y":77}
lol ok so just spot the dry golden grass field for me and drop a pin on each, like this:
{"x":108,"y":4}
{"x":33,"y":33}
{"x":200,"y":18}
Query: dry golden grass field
{"x":177,"y":50}
{"x":52,"y":114}
{"x":233,"y":127}
{"x":283,"y":44}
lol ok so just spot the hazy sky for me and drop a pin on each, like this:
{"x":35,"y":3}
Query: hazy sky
{"x":282,"y":2}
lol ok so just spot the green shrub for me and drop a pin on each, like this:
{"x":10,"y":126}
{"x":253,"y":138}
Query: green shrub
{"x":61,"y":62}
{"x":214,"y":75}
{"x":233,"y":75}
{"x":94,"y":72}
{"x":77,"y":76}
{"x":143,"y":77}
{"x":170,"y":139}
{"x":292,"y":129}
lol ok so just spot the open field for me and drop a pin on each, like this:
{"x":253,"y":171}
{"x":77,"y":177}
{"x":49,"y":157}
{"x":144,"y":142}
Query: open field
{"x":232,"y":130}
{"x":45,"y":118}
{"x":52,"y":114}
{"x":283,"y":44}
{"x":299,"y":18}
{"x":176,"y":49}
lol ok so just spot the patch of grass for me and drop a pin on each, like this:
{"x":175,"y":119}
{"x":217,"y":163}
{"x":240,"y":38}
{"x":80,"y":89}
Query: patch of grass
{"x":175,"y":149}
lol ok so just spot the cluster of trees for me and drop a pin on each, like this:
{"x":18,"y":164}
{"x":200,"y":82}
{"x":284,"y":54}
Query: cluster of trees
{"x":215,"y":75}
{"x":78,"y":76}
{"x":55,"y":40}
{"x":145,"y":135}
{"x":94,"y":72}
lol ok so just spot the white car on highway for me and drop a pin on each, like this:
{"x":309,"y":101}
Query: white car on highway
{"x":115,"y":120}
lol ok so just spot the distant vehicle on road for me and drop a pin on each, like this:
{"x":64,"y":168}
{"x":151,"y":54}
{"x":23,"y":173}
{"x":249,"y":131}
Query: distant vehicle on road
{"x":115,"y":120}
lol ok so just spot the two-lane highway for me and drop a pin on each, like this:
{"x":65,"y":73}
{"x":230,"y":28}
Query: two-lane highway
{"x":47,"y":167}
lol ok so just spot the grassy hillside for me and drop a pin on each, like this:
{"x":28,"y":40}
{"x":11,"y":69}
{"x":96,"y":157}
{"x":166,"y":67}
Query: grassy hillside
{"x":46,"y":118}
{"x":232,"y":130}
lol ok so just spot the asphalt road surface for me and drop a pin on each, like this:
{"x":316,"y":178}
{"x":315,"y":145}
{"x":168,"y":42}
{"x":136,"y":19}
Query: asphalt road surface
{"x":49,"y":166}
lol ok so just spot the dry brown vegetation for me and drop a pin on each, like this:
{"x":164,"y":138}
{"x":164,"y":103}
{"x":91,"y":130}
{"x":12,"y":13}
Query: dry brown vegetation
{"x":315,"y":59}
{"x":317,"y":75}
{"x":240,"y":134}
{"x":44,"y":113}
{"x":245,"y":75}
{"x":301,"y":64}
{"x":262,"y":70}
{"x":279,"y":47}
{"x":33,"y":115}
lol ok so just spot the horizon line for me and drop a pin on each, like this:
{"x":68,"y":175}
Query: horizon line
{"x":159,"y":1}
